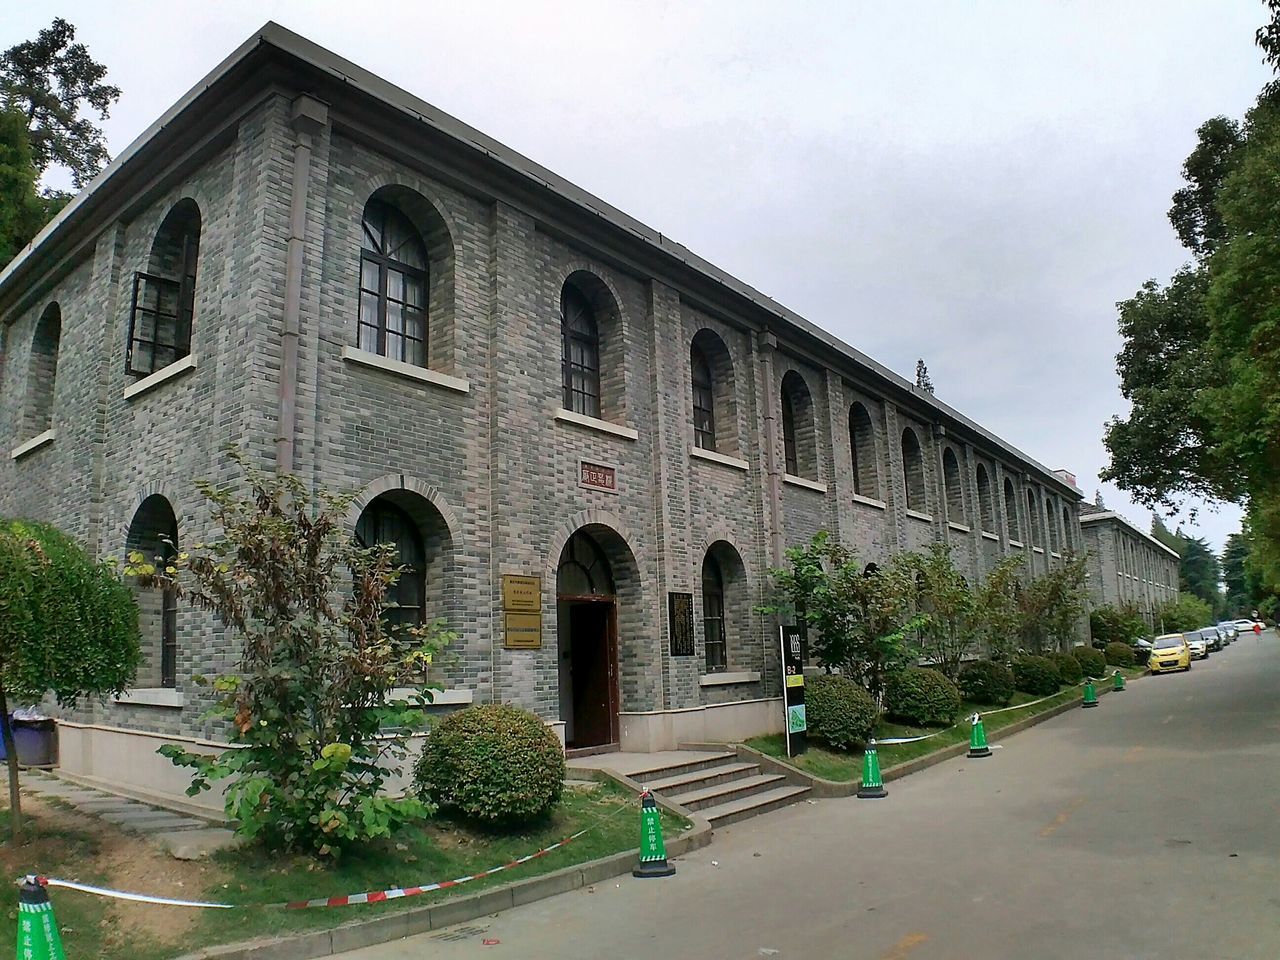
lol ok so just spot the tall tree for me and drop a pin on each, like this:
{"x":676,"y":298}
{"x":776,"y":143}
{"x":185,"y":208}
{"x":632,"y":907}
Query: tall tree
{"x":50,"y":80}
{"x":22,"y":210}
{"x":922,"y":376}
{"x":1235,"y":579}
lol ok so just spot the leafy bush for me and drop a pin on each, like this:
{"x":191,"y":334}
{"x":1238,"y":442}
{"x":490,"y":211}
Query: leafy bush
{"x":921,"y":697}
{"x":1036,"y":675}
{"x":1108,"y":624}
{"x":1092,"y":662}
{"x":494,"y":763}
{"x":1068,"y":667}
{"x":839,"y":711}
{"x":1120,"y":655}
{"x":987,"y":682}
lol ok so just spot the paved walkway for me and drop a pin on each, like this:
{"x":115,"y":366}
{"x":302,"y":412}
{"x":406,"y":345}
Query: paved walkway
{"x":185,"y":837}
{"x":1143,"y":830}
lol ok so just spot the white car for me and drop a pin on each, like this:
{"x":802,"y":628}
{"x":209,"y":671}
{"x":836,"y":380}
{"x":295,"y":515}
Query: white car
{"x":1199,"y":648}
{"x":1245,"y":625}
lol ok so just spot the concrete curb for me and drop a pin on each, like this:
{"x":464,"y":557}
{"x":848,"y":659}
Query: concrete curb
{"x":830,"y":789}
{"x":446,"y":913}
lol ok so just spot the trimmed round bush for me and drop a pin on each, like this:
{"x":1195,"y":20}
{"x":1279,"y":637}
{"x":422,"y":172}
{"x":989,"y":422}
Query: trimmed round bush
{"x":1120,"y":654}
{"x":839,"y":712}
{"x":493,"y":763}
{"x":1092,"y":662}
{"x":921,"y":697}
{"x":987,"y":682}
{"x":1036,"y":675}
{"x":1068,"y":667}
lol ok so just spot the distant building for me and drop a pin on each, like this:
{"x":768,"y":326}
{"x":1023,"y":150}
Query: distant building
{"x":1127,"y":565}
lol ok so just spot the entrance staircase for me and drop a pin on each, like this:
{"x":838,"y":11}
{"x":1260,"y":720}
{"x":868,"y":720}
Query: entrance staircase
{"x":717,"y":785}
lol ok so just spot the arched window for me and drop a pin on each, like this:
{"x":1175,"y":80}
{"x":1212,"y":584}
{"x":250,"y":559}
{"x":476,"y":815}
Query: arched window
{"x":704,"y":400}
{"x":584,"y":570}
{"x":42,"y":371}
{"x":1068,"y":538}
{"x":1034,"y":534}
{"x":1051,"y":517}
{"x":862,"y":450}
{"x":393,"y":285}
{"x":153,"y":532}
{"x":581,"y":352}
{"x":799,"y":441}
{"x":986,"y":507}
{"x":913,"y":472}
{"x":954,"y":488}
{"x":713,"y":614}
{"x":1011,"y":511}
{"x":382,"y":521}
{"x":164,"y":296}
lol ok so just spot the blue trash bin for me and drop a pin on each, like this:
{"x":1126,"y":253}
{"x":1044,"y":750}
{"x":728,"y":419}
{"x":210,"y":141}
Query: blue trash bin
{"x":34,"y":740}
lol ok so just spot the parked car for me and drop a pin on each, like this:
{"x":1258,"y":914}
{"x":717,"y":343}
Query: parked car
{"x":1170,"y":652}
{"x":1212,"y":638}
{"x":1141,"y":650}
{"x":1244,"y":625}
{"x":1231,"y":629}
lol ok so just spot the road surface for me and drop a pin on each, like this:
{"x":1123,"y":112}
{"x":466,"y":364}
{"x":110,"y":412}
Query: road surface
{"x":1147,"y":828}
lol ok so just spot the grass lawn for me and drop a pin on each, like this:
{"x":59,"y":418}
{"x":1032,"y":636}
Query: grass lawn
{"x":847,"y":767}
{"x":67,"y":844}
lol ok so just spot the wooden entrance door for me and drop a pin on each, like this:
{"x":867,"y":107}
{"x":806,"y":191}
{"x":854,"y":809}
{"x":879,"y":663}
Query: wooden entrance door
{"x":594,"y":665}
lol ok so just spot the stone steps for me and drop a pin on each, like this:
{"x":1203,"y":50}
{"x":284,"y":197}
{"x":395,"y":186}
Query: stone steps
{"x":721,"y":788}
{"x":728,"y":790}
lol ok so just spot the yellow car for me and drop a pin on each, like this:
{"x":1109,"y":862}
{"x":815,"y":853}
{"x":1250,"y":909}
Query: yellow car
{"x":1169,"y":653}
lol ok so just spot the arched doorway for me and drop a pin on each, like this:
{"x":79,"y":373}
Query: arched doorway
{"x":587,"y":635}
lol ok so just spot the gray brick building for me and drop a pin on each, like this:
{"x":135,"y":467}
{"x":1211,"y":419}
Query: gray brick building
{"x":519,"y":380}
{"x":1128,"y":567}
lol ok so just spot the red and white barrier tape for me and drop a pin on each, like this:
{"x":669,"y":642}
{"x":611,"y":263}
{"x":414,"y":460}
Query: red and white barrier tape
{"x":371,"y":896}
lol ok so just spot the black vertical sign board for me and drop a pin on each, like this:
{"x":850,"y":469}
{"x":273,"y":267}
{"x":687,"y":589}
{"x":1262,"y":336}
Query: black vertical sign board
{"x":793,"y":650}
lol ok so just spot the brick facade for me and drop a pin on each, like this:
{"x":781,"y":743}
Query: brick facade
{"x":1128,"y":567}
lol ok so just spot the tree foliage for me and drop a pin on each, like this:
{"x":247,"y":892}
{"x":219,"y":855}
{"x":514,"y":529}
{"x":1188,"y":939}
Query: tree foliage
{"x":313,"y":719}
{"x":51,"y":79}
{"x":68,"y":625}
{"x":1051,"y":607}
{"x":952,"y":625}
{"x":1185,"y":612}
{"x":22,"y":209}
{"x":1108,"y":624}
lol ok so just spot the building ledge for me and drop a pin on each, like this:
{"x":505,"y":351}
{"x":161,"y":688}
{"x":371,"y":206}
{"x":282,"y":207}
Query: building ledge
{"x":153,"y":380}
{"x":869,"y":501}
{"x":720,"y":679}
{"x":153,"y":697}
{"x":711,"y":456}
{"x":988,"y":535}
{"x":1037,"y":549}
{"x":917,"y":515}
{"x":35,"y":443}
{"x":959,"y":526}
{"x":802,"y":482}
{"x":438,"y":698}
{"x":596,"y":424}
{"x":407,"y":370}
{"x":1015,"y":543}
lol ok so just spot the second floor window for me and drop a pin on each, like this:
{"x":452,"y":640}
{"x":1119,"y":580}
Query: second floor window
{"x":580,"y":353}
{"x":164,"y":294}
{"x":704,"y":416}
{"x":393,"y":286}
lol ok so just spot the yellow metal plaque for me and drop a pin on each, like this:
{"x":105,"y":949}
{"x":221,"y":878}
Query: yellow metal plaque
{"x":521,"y":594}
{"x":523,"y":630}
{"x":795,"y":680}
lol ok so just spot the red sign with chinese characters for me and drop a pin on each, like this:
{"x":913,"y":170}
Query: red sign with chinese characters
{"x":598,"y":477}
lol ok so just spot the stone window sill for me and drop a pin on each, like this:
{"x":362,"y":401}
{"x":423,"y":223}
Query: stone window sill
{"x":959,"y":526}
{"x":35,"y":443}
{"x":438,"y":697}
{"x":1015,"y":543}
{"x":990,"y":536}
{"x":1037,"y":549}
{"x":1055,"y":553}
{"x":813,"y":485}
{"x":164,"y":374}
{"x":917,"y":515}
{"x":721,"y":679}
{"x":153,"y":697}
{"x":407,"y":370}
{"x":869,"y":501}
{"x":723,"y":459}
{"x":596,"y":424}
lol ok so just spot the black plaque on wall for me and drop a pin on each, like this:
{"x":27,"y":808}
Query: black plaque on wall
{"x":680,"y":623}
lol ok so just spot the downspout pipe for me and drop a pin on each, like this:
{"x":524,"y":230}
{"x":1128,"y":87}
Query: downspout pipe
{"x":308,"y":117}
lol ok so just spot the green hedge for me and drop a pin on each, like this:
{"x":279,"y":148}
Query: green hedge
{"x":921,"y":697}
{"x":1068,"y":667}
{"x":1036,"y":675}
{"x":1120,"y":655}
{"x":493,"y":763}
{"x":839,"y":712}
{"x":987,"y":682}
{"x":1092,"y":662}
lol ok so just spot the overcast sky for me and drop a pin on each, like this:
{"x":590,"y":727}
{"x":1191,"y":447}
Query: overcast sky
{"x":972,"y":183}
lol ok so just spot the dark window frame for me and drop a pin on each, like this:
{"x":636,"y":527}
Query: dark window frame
{"x":413,"y":574}
{"x":704,"y":401}
{"x":791,"y":461}
{"x":373,"y":252}
{"x":579,"y":353}
{"x":178,"y":320}
{"x":714,"y":639}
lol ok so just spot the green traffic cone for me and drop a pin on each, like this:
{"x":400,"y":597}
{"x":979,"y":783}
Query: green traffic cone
{"x":653,"y":853}
{"x":1117,"y":685}
{"x":1090,"y":695}
{"x":38,"y":937}
{"x":978,"y":738}
{"x":872,"y":787}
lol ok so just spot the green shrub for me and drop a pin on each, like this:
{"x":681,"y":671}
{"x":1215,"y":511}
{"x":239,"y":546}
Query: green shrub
{"x":839,"y":712}
{"x":1068,"y":667}
{"x":1120,"y":655}
{"x":921,"y":697}
{"x":1092,"y":662}
{"x":1036,"y":675}
{"x":987,"y":682}
{"x":494,"y":763}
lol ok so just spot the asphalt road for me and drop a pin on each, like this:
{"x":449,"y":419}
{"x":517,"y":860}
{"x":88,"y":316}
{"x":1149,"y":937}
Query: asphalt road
{"x":1147,"y":828}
